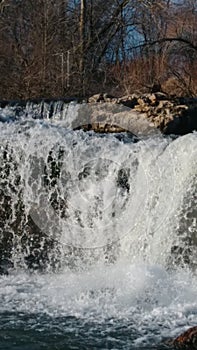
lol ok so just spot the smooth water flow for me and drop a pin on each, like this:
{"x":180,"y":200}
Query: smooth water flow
{"x":98,"y":237}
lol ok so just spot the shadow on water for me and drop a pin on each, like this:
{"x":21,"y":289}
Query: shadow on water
{"x":26,"y":332}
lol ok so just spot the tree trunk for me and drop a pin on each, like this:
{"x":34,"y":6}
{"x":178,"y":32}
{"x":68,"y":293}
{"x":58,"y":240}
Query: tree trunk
{"x":82,"y":45}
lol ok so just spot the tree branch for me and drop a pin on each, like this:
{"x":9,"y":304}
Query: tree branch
{"x":163,"y":40}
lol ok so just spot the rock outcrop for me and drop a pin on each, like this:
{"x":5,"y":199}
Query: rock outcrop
{"x":187,"y":340}
{"x":170,"y":115}
{"x":107,"y":117}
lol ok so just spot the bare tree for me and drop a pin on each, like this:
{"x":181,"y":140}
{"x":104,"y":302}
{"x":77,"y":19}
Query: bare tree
{"x":76,"y":47}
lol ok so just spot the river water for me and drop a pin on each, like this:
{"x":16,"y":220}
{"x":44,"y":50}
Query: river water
{"x":98,"y":237}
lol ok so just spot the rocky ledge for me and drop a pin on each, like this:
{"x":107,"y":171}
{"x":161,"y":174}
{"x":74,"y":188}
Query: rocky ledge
{"x":171,"y":115}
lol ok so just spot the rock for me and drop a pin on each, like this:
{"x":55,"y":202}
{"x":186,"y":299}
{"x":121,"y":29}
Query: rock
{"x":101,"y":97}
{"x":170,"y":115}
{"x":153,"y":99}
{"x":109,"y":98}
{"x":187,"y":340}
{"x":96,"y":98}
{"x":101,"y":128}
{"x":182,"y":123}
{"x":129,"y":101}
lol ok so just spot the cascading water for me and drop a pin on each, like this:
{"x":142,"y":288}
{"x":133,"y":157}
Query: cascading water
{"x":98,"y":243}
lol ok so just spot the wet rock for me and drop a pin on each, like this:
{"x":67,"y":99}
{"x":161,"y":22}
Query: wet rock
{"x":123,"y":179}
{"x":101,"y":128}
{"x":5,"y":266}
{"x":187,"y":340}
{"x":23,"y":242}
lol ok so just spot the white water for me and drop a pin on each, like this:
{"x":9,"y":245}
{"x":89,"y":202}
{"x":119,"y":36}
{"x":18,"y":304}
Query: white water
{"x":133,"y":231}
{"x":154,"y":302}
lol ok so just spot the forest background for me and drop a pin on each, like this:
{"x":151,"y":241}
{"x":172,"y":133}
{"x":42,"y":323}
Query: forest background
{"x":77,"y":48}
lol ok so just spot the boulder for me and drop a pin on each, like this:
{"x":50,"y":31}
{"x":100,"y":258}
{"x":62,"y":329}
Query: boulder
{"x":187,"y":340}
{"x":170,"y":115}
{"x":112,"y":117}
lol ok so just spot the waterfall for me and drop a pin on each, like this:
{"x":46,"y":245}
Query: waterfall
{"x":70,"y":198}
{"x":98,"y":244}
